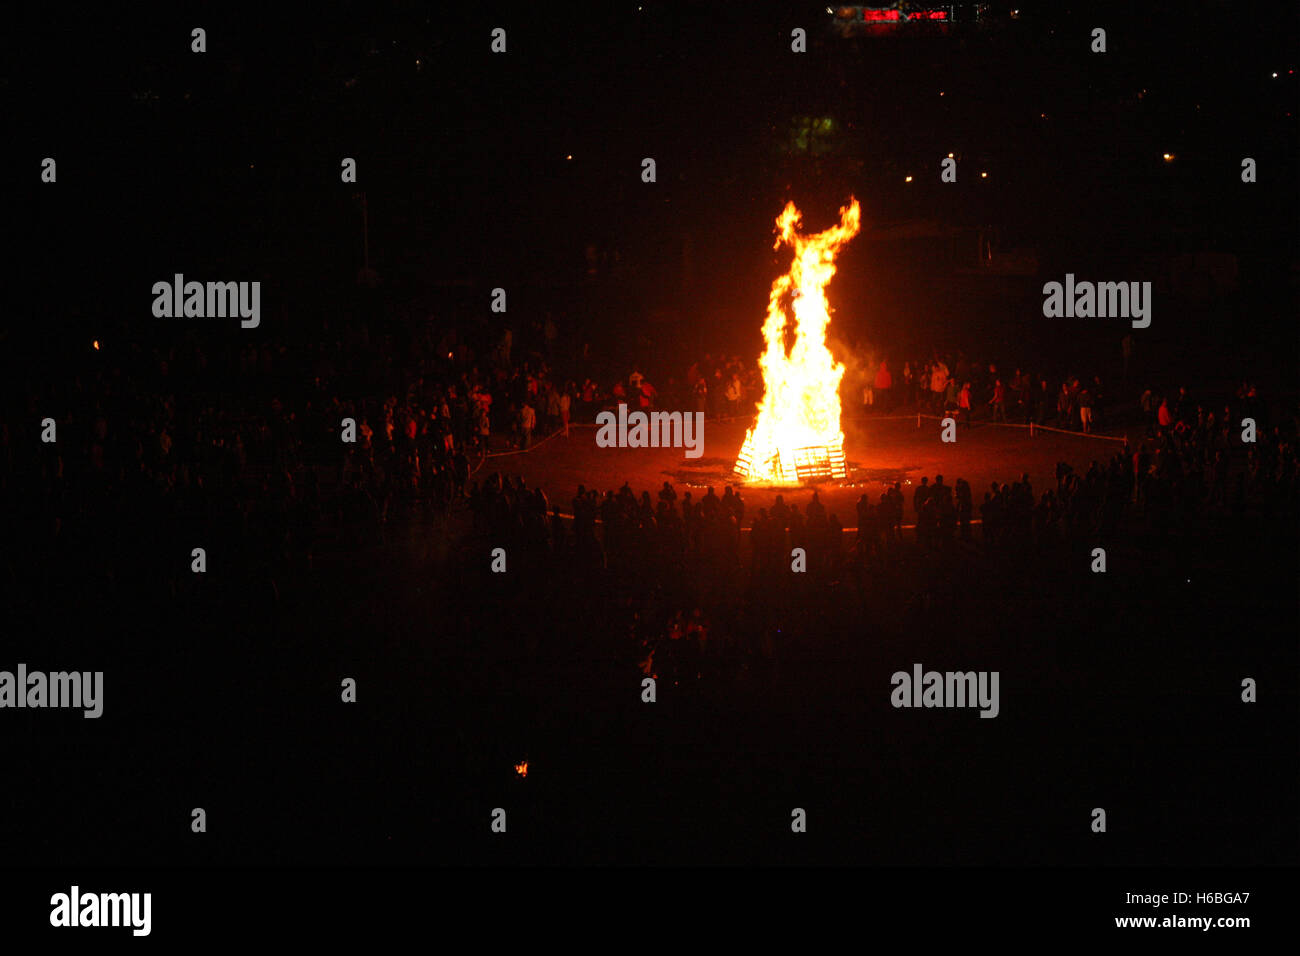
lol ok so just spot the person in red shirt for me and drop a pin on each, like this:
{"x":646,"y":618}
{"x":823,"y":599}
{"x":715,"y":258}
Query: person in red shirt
{"x":884,"y":382}
{"x":1164,"y":416}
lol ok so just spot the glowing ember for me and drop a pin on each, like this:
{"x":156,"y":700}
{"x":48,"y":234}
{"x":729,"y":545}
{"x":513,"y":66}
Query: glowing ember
{"x":797,"y":436}
{"x":522,"y":769}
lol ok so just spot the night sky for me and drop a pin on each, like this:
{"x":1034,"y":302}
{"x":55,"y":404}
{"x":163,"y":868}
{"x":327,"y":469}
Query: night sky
{"x":230,"y":159}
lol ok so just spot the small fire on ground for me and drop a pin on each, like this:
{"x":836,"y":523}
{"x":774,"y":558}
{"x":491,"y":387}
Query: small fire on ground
{"x":797,"y":436}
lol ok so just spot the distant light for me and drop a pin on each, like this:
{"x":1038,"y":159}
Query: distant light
{"x":1275,"y":76}
{"x":950,"y":155}
{"x":908,"y":179}
{"x":1169,"y":157}
{"x":95,"y":344}
{"x":984,"y":175}
{"x":829,"y":10}
{"x":941,"y":92}
{"x":522,"y":769}
{"x":570,"y":156}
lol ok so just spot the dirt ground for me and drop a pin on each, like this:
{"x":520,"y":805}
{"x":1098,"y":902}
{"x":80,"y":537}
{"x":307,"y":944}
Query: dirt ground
{"x":880,"y":451}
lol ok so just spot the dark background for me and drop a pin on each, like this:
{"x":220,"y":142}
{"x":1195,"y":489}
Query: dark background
{"x":226,"y":165}
{"x":228,"y":162}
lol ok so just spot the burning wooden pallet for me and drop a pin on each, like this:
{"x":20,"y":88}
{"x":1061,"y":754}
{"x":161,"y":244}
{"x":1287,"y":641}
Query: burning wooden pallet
{"x":801,"y":465}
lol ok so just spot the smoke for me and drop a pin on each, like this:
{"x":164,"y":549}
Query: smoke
{"x":861,"y":359}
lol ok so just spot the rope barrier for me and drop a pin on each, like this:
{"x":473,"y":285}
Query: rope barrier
{"x":1031,"y":426}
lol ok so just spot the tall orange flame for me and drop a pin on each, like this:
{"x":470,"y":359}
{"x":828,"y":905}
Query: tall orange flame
{"x":797,"y":433}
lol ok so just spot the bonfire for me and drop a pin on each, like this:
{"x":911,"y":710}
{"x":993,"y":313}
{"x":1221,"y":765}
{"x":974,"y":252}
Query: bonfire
{"x":796,"y":437}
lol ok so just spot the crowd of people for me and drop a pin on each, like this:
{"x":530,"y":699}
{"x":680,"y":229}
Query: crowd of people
{"x":1186,"y":475}
{"x":336,"y":431}
{"x":968,"y":390}
{"x":699,"y":552}
{"x":246,"y":449}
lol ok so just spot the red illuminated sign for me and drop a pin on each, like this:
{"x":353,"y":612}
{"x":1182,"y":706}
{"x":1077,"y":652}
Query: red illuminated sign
{"x":877,"y":15}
